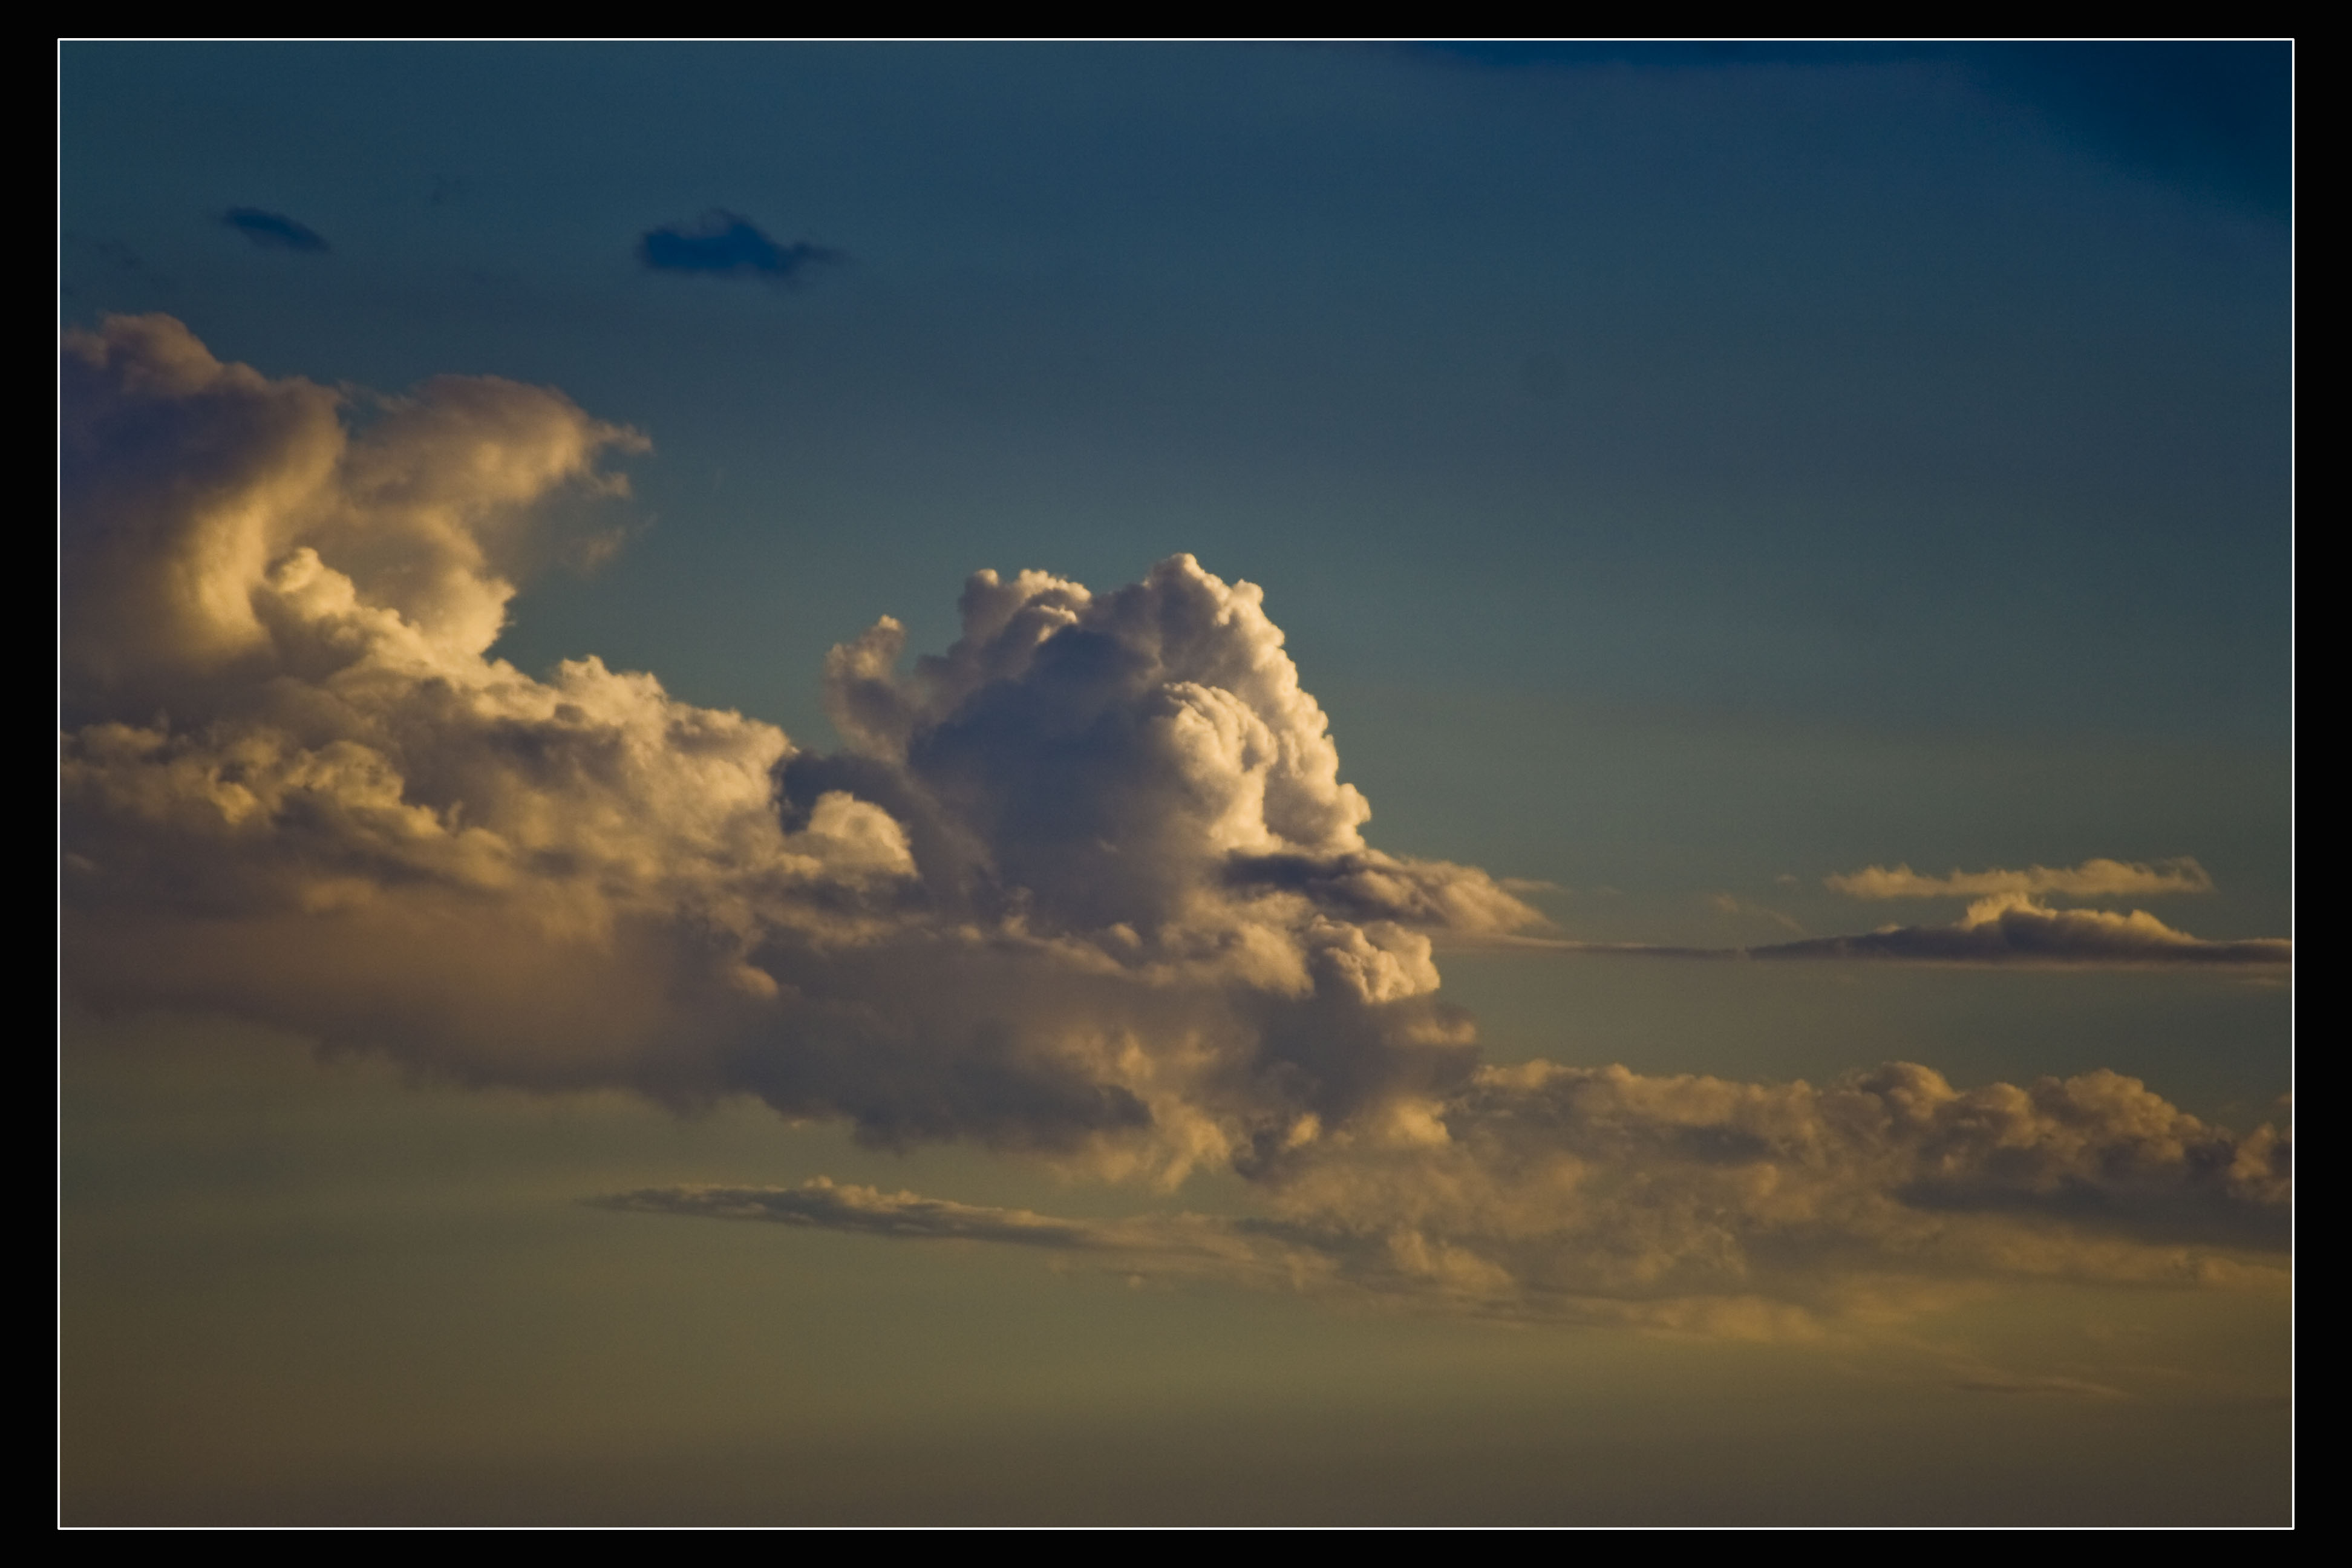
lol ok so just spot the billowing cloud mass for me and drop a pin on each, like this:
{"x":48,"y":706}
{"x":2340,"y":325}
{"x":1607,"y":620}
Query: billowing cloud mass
{"x":723,"y":245}
{"x":2090,"y":880}
{"x":275,"y":231}
{"x":1088,"y":883}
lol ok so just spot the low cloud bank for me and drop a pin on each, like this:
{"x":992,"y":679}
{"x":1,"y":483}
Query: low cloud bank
{"x":1088,"y":883}
{"x":1600,"y":1194}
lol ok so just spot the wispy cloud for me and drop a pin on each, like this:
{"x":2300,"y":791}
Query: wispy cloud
{"x":722,"y":244}
{"x":275,"y":231}
{"x":2090,"y":880}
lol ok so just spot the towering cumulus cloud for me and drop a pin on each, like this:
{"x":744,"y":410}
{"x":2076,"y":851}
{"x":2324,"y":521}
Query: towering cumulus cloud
{"x":1089,"y":883}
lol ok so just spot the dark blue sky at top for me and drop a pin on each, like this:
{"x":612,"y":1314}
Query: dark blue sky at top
{"x":1940,"y":389}
{"x":2214,"y":114}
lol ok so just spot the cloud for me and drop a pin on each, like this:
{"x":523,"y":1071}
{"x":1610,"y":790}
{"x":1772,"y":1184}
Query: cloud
{"x":1994,"y":1380}
{"x":1088,"y":883}
{"x":1546,"y":1192}
{"x":724,"y":245}
{"x":2012,"y":928}
{"x":275,"y":231}
{"x":824,"y":1205}
{"x":2005,"y":929}
{"x":2090,"y":880}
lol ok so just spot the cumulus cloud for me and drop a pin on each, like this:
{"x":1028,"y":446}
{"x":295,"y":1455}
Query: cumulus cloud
{"x":723,"y":245}
{"x":1087,"y":883}
{"x":275,"y":231}
{"x":2090,"y":880}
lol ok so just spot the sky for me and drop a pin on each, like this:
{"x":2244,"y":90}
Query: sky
{"x":1311,"y":784}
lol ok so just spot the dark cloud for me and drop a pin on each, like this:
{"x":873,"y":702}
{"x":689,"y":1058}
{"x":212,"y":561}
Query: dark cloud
{"x":723,"y":245}
{"x":275,"y":231}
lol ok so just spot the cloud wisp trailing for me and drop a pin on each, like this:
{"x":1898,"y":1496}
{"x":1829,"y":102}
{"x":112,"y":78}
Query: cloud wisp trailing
{"x":722,"y":244}
{"x":276,"y":231}
{"x":1088,"y":884}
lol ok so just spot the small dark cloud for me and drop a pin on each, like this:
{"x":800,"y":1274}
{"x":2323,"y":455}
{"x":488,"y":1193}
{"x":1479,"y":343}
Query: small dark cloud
{"x":274,"y":231}
{"x":721,"y":244}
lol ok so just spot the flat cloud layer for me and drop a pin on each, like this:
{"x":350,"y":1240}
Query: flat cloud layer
{"x":1088,"y":883}
{"x":2092,"y":880}
{"x":2006,"y":928}
{"x":2015,"y":929}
